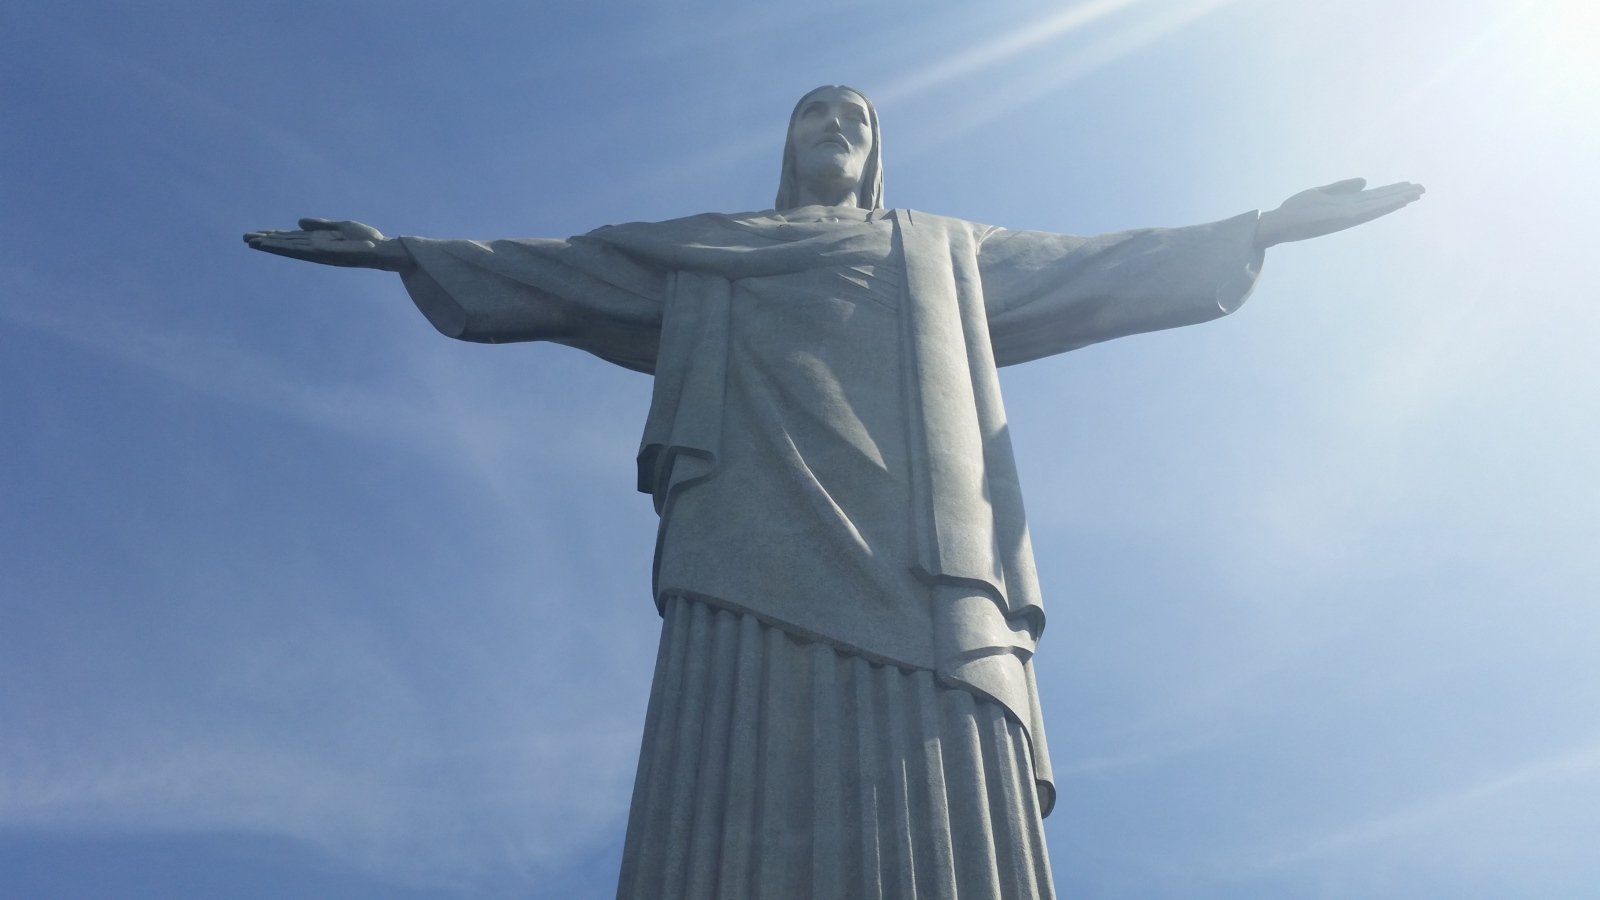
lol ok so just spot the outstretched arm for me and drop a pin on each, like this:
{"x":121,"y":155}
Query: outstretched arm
{"x":580,"y":292}
{"x":1050,"y":293}
{"x":334,"y":243}
{"x":1332,"y":207}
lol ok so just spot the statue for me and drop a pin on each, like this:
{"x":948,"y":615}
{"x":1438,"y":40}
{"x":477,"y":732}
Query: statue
{"x":844,"y":700}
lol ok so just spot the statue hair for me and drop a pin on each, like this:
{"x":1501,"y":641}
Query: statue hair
{"x":869,"y":195}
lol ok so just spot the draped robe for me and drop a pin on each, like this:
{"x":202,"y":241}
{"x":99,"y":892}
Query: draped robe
{"x":826,"y":444}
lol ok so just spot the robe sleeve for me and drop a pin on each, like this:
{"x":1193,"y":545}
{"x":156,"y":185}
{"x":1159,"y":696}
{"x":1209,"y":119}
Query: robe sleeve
{"x":580,"y":292}
{"x":1050,"y":293}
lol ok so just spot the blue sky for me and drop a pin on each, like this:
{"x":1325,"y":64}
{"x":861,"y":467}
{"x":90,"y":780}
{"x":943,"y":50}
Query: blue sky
{"x":300,"y":599}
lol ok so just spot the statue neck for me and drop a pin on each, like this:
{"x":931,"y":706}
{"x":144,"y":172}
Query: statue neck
{"x":824,"y":195}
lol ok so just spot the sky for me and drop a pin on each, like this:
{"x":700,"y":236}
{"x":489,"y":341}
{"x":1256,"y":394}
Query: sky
{"x":300,"y":599}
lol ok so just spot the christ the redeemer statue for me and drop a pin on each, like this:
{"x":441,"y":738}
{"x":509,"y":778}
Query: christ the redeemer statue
{"x":844,"y":701}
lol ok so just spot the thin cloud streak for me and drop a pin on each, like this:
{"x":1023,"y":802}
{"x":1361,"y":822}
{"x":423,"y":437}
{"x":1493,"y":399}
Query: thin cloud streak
{"x":366,"y":767}
{"x":464,"y":440}
{"x":222,"y":118}
{"x":1577,"y":765}
{"x":207,"y":365}
{"x":395,"y":812}
{"x":1041,"y":82}
{"x":1153,"y":751}
{"x":998,"y":50}
{"x":987,"y":55}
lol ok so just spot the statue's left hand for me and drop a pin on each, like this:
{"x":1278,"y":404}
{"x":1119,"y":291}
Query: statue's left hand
{"x":1333,"y":207}
{"x":334,"y":243}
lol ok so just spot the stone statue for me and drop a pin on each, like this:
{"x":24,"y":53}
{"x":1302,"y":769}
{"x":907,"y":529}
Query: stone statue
{"x":844,"y":701}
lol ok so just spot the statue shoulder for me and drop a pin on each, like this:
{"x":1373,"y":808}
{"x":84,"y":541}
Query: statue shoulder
{"x":948,"y":225}
{"x":708,"y":229}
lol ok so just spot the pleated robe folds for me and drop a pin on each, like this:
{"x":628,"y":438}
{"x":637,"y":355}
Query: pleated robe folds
{"x":842,"y":540}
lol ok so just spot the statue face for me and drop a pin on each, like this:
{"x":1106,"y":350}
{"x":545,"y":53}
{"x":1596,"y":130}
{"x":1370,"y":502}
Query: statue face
{"x":832,"y":138}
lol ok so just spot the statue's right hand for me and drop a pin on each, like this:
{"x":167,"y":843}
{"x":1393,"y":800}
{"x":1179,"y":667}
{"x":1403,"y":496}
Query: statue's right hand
{"x":333,"y":244}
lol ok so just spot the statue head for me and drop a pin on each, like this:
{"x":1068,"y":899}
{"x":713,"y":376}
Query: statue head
{"x":833,"y":140}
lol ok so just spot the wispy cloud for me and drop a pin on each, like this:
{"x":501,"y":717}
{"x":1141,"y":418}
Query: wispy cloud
{"x":1152,"y":748}
{"x":221,"y":118}
{"x":1577,"y":766}
{"x":484,"y":808}
{"x":1120,"y":38}
{"x":1001,"y":49}
{"x":209,"y":364}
